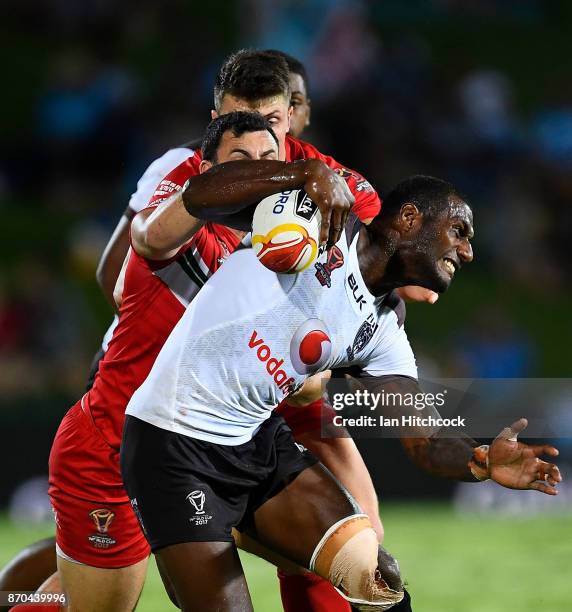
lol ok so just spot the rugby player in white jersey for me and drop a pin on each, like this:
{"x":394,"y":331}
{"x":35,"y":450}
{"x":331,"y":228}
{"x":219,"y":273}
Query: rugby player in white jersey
{"x":203,"y":451}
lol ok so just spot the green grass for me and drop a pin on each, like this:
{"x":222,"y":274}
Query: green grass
{"x":451,"y":563}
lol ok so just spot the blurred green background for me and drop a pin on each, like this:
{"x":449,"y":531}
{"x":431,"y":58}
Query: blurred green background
{"x":477,"y":92}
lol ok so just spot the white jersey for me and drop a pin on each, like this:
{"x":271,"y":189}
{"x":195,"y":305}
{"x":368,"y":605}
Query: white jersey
{"x":155,"y":173}
{"x":251,"y":337}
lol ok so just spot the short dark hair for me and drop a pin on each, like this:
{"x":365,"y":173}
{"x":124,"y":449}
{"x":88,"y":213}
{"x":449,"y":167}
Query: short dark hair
{"x":428,"y":193}
{"x":294,"y":65}
{"x":252,"y":75}
{"x":240,"y":122}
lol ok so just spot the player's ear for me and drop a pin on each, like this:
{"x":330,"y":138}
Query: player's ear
{"x":308,"y":115}
{"x":290,"y":111}
{"x":214,"y":114}
{"x":205,"y":165}
{"x":409,"y":217}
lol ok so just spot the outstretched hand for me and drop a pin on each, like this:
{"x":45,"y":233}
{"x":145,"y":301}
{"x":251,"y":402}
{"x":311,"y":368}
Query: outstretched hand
{"x":516,"y":465}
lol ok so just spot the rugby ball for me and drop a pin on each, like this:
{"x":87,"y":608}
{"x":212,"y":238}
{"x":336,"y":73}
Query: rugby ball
{"x":286,"y":231}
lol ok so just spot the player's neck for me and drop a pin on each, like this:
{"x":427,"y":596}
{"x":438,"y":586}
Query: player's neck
{"x":375,"y":250}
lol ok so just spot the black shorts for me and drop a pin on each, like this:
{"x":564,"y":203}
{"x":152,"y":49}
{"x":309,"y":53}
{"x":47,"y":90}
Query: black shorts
{"x":187,"y":490}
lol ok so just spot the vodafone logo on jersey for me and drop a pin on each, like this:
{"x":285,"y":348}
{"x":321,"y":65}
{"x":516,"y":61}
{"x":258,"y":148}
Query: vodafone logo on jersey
{"x":273,"y":365}
{"x":310,"y":346}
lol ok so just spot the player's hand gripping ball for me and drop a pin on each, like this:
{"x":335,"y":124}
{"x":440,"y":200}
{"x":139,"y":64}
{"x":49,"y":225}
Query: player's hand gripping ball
{"x":286,"y":231}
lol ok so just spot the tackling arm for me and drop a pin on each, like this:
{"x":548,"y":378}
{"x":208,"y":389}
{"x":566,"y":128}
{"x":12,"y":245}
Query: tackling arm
{"x":223,"y":194}
{"x":229,"y":188}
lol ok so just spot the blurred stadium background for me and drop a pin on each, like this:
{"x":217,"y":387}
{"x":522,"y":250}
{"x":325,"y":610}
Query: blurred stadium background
{"x":478,"y":92}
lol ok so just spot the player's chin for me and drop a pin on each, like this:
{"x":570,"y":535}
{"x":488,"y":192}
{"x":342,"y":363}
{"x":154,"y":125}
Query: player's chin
{"x":442,"y":280}
{"x":439,"y":282}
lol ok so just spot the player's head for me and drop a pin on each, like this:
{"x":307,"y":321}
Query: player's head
{"x":255,"y":81}
{"x":299,"y":93}
{"x":428,"y":226}
{"x":238,"y":136}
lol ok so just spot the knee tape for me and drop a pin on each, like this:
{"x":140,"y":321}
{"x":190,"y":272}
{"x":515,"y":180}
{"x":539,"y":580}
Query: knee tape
{"x":347,"y":556}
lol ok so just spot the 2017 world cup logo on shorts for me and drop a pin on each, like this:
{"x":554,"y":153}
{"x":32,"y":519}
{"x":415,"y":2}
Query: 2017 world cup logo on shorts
{"x":102,"y":517}
{"x":197,"y":499}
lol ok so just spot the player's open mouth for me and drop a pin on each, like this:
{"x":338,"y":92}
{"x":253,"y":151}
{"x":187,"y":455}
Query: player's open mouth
{"x":449,"y":265}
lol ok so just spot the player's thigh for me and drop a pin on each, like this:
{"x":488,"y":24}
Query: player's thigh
{"x":342,"y":457}
{"x":294,"y":521}
{"x":95,"y":589}
{"x":206,"y":576}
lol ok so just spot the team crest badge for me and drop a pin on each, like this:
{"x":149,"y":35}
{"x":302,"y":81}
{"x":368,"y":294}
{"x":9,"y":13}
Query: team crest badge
{"x":363,"y":336}
{"x":102,"y":518}
{"x":324,"y":271}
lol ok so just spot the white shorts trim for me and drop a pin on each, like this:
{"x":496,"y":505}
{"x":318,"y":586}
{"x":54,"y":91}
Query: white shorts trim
{"x":60,"y":553}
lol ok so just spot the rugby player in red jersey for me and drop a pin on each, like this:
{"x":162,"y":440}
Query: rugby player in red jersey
{"x":275,"y":107}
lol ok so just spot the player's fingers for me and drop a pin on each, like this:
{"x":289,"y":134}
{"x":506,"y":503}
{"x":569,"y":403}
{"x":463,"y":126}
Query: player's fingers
{"x":545,"y":449}
{"x":553,"y":474}
{"x":547,"y":471}
{"x":480,"y":454}
{"x":326,"y":212}
{"x":511,"y":433}
{"x":336,"y":227}
{"x":543,"y":488}
{"x":432,"y":297}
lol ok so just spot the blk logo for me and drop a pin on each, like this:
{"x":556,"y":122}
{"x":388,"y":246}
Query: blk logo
{"x":304,"y":207}
{"x":310,"y":347}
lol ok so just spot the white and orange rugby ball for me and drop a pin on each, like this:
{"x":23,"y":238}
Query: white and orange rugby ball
{"x":286,"y":231}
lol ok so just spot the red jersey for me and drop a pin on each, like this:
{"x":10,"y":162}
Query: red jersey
{"x":155,"y":293}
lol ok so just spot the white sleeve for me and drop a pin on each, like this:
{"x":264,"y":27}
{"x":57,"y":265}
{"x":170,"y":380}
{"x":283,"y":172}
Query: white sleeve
{"x":392,"y":354}
{"x":154,"y":174}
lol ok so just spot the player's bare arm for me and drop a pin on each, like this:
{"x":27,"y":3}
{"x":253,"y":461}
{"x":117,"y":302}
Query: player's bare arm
{"x":223,"y":191}
{"x":229,"y":188}
{"x":510,"y":463}
{"x":113,"y":256}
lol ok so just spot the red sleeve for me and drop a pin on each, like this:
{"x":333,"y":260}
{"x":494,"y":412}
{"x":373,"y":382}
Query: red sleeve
{"x":170,"y":184}
{"x":311,"y":417}
{"x":368,"y":203}
{"x":175,"y":180}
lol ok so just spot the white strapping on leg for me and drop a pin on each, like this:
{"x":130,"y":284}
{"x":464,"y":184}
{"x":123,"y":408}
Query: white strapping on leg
{"x":327,"y":535}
